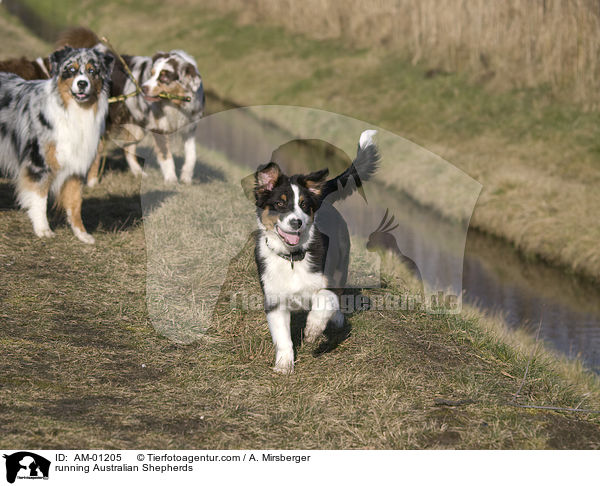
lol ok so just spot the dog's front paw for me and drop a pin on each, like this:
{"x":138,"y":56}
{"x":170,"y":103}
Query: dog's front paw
{"x":311,"y":335}
{"x":185,"y":179}
{"x":84,"y":237}
{"x":136,"y":170}
{"x":284,"y":368}
{"x":284,"y":363}
{"x":170,"y":179}
{"x":92,"y":182}
{"x":44,"y":232}
{"x":315,"y":325}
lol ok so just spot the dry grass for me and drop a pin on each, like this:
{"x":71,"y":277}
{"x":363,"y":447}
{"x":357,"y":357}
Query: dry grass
{"x":513,"y":43}
{"x":81,"y":360}
{"x":84,"y":359}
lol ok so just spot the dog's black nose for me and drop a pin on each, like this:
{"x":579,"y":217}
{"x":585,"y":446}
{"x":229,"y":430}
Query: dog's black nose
{"x":81,"y":84}
{"x":295,"y":223}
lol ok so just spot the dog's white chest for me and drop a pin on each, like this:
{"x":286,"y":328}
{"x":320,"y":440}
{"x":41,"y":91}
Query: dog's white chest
{"x":294,"y":285}
{"x":77,"y":134}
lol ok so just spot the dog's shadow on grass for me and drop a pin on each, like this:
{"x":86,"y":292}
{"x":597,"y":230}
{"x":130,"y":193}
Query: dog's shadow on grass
{"x":7,"y":197}
{"x":119,"y":213}
{"x":333,"y":337}
{"x":110,"y":212}
{"x":115,"y":162}
{"x":203,"y":173}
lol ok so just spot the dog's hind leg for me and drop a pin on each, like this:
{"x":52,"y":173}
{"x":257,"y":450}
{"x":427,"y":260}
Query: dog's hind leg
{"x":279,"y":325}
{"x":164,"y":157}
{"x":189,"y":149}
{"x":325,"y":307}
{"x":33,"y":197}
{"x":70,"y":200}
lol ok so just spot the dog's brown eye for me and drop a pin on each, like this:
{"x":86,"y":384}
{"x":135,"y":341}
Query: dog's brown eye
{"x":303,"y":204}
{"x":280,"y":204}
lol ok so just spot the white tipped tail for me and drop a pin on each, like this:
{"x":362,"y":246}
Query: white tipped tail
{"x":366,"y":138}
{"x":362,"y":169}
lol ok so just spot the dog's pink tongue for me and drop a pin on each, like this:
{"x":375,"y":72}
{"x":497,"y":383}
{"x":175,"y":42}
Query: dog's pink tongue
{"x":289,"y":238}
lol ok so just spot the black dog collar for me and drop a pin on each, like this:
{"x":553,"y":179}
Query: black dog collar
{"x":296,"y":256}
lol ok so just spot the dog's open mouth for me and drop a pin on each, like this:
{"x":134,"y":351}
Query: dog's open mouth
{"x":291,"y":239}
{"x":81,"y":96}
{"x":151,"y":99}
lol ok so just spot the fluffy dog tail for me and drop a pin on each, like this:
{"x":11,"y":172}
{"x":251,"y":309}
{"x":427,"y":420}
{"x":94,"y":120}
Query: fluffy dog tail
{"x":78,"y":37}
{"x":362,"y":169}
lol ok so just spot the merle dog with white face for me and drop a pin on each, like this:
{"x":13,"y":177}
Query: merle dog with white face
{"x":172,"y":73}
{"x":302,"y":246}
{"x":49,"y":133}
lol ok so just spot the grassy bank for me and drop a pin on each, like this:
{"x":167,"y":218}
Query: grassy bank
{"x":537,"y":158}
{"x":504,"y":45}
{"x":82,"y":367}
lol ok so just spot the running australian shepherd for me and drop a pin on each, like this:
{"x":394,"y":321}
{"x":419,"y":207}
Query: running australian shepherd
{"x":49,"y":133}
{"x":303,"y":246}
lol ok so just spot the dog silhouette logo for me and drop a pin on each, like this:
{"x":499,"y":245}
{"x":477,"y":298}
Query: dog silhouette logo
{"x":26,"y":465}
{"x":382,"y":240}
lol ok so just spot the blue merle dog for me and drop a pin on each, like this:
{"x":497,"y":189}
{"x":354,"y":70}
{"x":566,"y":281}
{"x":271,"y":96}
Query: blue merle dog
{"x":49,"y":133}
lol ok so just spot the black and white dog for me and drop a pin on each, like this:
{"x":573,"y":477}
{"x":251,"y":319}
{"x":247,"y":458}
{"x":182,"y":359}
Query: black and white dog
{"x":302,"y":246}
{"x":49,"y":133}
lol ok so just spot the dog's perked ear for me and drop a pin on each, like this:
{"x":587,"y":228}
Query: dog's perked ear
{"x":192,"y":76}
{"x":314,"y":181}
{"x":57,"y":58}
{"x":158,"y":55}
{"x":262,"y":181}
{"x":266,"y":177}
{"x":107,"y":60}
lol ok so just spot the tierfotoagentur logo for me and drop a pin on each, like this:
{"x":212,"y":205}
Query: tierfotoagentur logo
{"x":26,"y":465}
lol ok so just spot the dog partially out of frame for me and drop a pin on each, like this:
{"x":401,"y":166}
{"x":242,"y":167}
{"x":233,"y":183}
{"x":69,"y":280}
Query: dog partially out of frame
{"x":27,"y":69}
{"x":303,"y":246}
{"x":173,"y":73}
{"x":49,"y":133}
